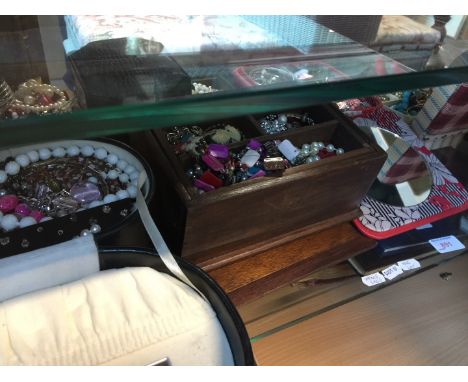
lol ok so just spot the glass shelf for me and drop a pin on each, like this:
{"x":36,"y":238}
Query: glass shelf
{"x":133,"y":73}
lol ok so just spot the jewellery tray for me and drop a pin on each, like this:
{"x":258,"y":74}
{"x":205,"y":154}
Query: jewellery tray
{"x":60,"y":229}
{"x":232,"y":222}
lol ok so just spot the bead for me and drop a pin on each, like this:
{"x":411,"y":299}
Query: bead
{"x":218,"y":151}
{"x":73,"y":151}
{"x":22,"y":209}
{"x":58,"y":152}
{"x":122,"y":164}
{"x":250,"y":158}
{"x":95,"y":203}
{"x":27,"y":221}
{"x":339,"y":151}
{"x":110,"y":198}
{"x":95,"y":228}
{"x":85,"y":232}
{"x":92,"y":179}
{"x":282,"y":118}
{"x":314,"y":150}
{"x":45,"y":218}
{"x":132,"y":191}
{"x":12,"y":168}
{"x":134,"y":175}
{"x":330,"y":148}
{"x":129,"y":169}
{"x":36,"y":215}
{"x":3,"y":192}
{"x":310,"y":159}
{"x":9,"y":222}
{"x":22,"y":160}
{"x":100,"y":153}
{"x":288,"y":150}
{"x":122,"y":194}
{"x":44,"y":154}
{"x":320,"y":145}
{"x":112,"y":159}
{"x":112,"y":174}
{"x":305,"y":147}
{"x":3,"y":176}
{"x":29,"y":100}
{"x":213,"y":163}
{"x":87,"y":151}
{"x":8,"y":203}
{"x":33,"y":156}
{"x":85,"y":192}
{"x":124,"y":178}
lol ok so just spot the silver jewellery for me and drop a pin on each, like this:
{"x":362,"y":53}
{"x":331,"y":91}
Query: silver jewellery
{"x":270,"y":76}
{"x":277,"y":123}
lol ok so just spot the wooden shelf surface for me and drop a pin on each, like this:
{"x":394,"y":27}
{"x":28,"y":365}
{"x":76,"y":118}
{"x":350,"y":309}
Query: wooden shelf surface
{"x":256,"y":275}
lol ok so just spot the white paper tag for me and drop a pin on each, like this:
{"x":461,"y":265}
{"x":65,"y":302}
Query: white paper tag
{"x":288,"y":150}
{"x":392,"y":272}
{"x":409,"y":264}
{"x":425,"y":226}
{"x":446,"y":244}
{"x":373,"y":279}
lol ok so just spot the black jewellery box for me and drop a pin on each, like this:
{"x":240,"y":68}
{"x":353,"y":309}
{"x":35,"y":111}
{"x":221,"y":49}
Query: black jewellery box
{"x":82,"y":162}
{"x":41,"y":206}
{"x":124,"y":71}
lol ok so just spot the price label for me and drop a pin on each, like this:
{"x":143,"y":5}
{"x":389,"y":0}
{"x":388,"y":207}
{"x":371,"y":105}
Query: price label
{"x":409,"y":264}
{"x":373,"y":279}
{"x":392,"y":272}
{"x":446,"y":244}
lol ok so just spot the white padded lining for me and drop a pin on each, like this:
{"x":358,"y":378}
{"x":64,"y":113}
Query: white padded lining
{"x":129,"y":316}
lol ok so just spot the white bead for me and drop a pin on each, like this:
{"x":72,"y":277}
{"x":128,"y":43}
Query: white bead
{"x":122,"y":164}
{"x":110,"y":198}
{"x":73,"y":151}
{"x":9,"y":222}
{"x":100,"y":153}
{"x":103,"y":174}
{"x":134,"y":175}
{"x":132,"y":191}
{"x":92,"y":179}
{"x":58,"y":152}
{"x":330,"y":148}
{"x":44,"y":154}
{"x":27,"y":221}
{"x":112,"y":159}
{"x":22,"y":160}
{"x":122,"y":194}
{"x":129,"y":169}
{"x":95,"y":203}
{"x":339,"y":151}
{"x":3,"y":176}
{"x":33,"y":156}
{"x":95,"y":228}
{"x":124,"y":178}
{"x":87,"y":151}
{"x":12,"y":168}
{"x":112,"y":174}
{"x":320,"y":145}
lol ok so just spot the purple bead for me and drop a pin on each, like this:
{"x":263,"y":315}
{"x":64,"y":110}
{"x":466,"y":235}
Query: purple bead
{"x":36,"y":215}
{"x":258,"y":174}
{"x":203,"y":186}
{"x":254,"y":144}
{"x":212,"y":162}
{"x":218,"y":151}
{"x":85,"y":192}
{"x":22,"y":209}
{"x":8,"y":203}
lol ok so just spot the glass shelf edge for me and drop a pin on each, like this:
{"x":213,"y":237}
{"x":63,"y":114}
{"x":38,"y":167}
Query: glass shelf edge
{"x":91,"y":123}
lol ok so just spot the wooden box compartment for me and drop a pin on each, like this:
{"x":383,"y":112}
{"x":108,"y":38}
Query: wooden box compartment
{"x":234,"y":221}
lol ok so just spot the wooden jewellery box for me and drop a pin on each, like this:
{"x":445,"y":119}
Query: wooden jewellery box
{"x":231,"y":222}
